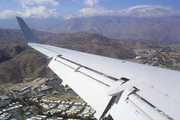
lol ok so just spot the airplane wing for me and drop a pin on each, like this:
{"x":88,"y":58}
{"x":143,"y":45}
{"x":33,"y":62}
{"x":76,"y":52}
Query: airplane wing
{"x":125,"y":90}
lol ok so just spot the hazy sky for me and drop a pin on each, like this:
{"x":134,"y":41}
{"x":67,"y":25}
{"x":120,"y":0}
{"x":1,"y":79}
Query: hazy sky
{"x":78,"y":8}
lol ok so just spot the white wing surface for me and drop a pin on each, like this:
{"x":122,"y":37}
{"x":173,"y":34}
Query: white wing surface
{"x":125,"y":90}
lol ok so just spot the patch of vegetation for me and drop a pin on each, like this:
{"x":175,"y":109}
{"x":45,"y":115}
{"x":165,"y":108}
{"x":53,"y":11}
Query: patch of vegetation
{"x":167,"y":65}
{"x":13,"y":100}
{"x":74,"y":116}
{"x":21,"y":113}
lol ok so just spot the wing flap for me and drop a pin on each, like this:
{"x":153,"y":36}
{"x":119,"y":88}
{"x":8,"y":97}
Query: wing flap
{"x":90,"y":90}
{"x":132,"y":107}
{"x":162,"y":101}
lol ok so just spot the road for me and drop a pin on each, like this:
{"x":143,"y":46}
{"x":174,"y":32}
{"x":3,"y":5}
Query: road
{"x":144,"y":62}
{"x":15,"y":115}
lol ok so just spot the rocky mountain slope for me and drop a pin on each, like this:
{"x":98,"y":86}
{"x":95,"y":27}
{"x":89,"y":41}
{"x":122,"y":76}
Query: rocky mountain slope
{"x":4,"y":56}
{"x":25,"y":62}
{"x":28,"y":63}
{"x":127,"y":28}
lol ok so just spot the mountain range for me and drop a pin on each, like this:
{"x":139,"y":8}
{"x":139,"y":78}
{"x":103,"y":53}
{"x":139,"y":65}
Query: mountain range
{"x":127,"y":28}
{"x":19,"y":61}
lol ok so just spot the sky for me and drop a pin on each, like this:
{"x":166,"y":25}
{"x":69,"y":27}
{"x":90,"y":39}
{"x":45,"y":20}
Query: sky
{"x":78,"y":8}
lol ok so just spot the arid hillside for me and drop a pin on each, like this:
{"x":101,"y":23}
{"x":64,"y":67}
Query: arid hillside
{"x":19,"y":61}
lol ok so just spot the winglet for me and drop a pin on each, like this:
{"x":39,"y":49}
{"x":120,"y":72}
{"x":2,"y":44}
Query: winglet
{"x":28,"y":34}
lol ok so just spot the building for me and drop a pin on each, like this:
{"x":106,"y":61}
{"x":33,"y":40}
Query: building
{"x":5,"y":98}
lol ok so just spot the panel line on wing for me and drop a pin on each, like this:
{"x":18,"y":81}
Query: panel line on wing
{"x":94,"y":78}
{"x":82,"y":70}
{"x":64,"y":63}
{"x":48,"y":49}
{"x":110,"y":77}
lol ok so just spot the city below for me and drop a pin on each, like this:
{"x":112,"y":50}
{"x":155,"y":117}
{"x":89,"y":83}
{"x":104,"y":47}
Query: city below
{"x":43,"y":99}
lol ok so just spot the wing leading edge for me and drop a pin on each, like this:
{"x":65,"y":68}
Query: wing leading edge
{"x":139,"y":92}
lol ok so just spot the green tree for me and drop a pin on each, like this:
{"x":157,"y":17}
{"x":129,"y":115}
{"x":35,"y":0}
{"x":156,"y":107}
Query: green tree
{"x":48,"y":115}
{"x":13,"y":100}
{"x":65,"y":116}
{"x":72,"y":116}
{"x":39,"y":112}
{"x":20,"y":109}
{"x":58,"y":114}
{"x":88,"y":118}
